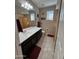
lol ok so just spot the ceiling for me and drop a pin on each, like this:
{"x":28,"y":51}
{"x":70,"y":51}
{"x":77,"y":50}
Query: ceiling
{"x":35,"y":3}
{"x":44,"y":3}
{"x":39,"y":3}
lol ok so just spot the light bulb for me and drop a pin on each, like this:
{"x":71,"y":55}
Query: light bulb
{"x":22,"y":5}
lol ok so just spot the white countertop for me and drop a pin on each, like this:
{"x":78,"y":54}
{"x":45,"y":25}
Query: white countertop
{"x":28,"y":32}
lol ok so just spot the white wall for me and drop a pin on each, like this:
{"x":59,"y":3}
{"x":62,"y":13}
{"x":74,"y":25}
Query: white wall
{"x":58,"y":4}
{"x":18,"y":51}
{"x":47,"y":23}
{"x":59,"y":49}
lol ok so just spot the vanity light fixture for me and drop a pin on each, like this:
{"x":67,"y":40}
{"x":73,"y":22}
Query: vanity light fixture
{"x":27,"y":6}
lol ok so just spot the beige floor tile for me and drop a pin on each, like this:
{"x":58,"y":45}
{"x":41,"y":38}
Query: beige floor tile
{"x":46,"y":44}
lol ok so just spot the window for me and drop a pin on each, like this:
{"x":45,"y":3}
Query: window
{"x":49,"y":15}
{"x":32,"y":17}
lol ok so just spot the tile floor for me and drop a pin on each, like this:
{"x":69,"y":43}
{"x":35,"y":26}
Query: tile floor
{"x":47,"y":47}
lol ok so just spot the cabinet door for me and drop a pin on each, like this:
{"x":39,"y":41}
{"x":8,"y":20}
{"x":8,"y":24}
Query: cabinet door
{"x":26,"y":47}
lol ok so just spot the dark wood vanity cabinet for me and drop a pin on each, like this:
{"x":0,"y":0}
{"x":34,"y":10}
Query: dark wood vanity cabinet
{"x":29,"y":43}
